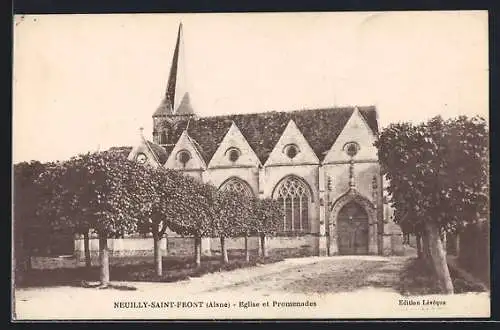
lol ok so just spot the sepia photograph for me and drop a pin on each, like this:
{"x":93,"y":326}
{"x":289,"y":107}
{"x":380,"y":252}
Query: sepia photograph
{"x":308,"y":165}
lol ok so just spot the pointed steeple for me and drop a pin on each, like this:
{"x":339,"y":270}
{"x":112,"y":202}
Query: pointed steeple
{"x":176,"y":100}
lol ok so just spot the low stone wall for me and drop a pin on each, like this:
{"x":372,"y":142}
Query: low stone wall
{"x":183,"y":246}
{"x":307,"y":243}
{"x":235,"y":243}
{"x":138,"y":246}
{"x":120,"y":247}
{"x":179,"y":246}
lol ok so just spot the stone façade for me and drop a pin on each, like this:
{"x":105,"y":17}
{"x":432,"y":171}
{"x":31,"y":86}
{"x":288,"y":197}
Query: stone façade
{"x":326,"y":154}
{"x":332,"y":177}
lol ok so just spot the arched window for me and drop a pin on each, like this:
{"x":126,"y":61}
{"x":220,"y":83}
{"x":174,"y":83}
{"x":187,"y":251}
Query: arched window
{"x":295,"y":197}
{"x":237,"y":185}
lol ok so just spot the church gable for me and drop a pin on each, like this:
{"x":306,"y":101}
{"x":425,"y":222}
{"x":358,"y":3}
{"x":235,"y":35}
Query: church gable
{"x":292,"y":148}
{"x":234,"y":150}
{"x":356,"y":138}
{"x":144,"y":154}
{"x":185,"y":155}
{"x":320,"y":127}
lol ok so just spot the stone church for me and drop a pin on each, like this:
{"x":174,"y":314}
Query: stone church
{"x":320,"y":164}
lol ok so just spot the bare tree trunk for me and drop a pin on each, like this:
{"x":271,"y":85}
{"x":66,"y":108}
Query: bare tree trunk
{"x":197,"y":251}
{"x":86,"y":248}
{"x":157,"y":254}
{"x":418,"y":238}
{"x":263,"y":251}
{"x":444,"y":240}
{"x":104,"y":256}
{"x":223,"y":248}
{"x":425,"y":247}
{"x":439,"y":258}
{"x":247,"y":251}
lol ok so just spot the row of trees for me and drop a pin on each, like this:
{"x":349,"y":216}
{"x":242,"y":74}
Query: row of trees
{"x":107,"y":194}
{"x":438,"y":181}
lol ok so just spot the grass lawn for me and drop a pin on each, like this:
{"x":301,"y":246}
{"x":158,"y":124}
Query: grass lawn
{"x":175,"y":268}
{"x":418,"y":279}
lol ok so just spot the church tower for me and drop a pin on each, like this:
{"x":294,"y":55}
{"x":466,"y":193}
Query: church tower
{"x":176,"y":103}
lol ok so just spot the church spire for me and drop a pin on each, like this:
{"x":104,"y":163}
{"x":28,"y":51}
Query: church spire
{"x":176,"y":100}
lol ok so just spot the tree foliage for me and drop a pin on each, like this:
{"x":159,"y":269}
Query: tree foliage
{"x":112,"y":196}
{"x":268,"y":216}
{"x":438,"y":180}
{"x":437,"y":171}
{"x":26,"y":199}
{"x":26,"y":195}
{"x":194,"y":213}
{"x":232,"y":213}
{"x":95,"y":190}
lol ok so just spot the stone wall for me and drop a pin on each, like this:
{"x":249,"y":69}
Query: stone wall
{"x":184,"y":246}
{"x":135,"y":246}
{"x":234,"y":244}
{"x":307,"y":242}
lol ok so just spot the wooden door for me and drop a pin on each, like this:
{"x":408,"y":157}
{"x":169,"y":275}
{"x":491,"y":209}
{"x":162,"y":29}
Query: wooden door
{"x":352,"y":222}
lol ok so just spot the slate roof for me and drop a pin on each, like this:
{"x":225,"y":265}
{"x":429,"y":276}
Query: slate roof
{"x":125,"y":151}
{"x":185,"y":107}
{"x":164,"y":109}
{"x":159,"y":151}
{"x":320,"y":127}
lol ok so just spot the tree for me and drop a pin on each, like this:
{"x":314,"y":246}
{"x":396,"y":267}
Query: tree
{"x":232,"y":210}
{"x":94,"y":191}
{"x":163,"y":199}
{"x":25,"y":203}
{"x":268,"y":218}
{"x":438,"y":179}
{"x":194,"y":211}
{"x":152,"y":217}
{"x":248,"y":226}
{"x":55,"y":188}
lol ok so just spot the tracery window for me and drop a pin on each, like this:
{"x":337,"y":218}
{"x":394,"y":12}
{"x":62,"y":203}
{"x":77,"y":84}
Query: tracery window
{"x":294,"y":195}
{"x":237,"y":185}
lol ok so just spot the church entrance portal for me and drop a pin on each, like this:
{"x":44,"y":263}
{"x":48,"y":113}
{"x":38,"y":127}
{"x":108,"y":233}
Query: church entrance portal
{"x":352,"y":230}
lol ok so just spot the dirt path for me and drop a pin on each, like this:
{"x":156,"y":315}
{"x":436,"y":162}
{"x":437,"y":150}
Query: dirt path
{"x":337,"y":286}
{"x":323,"y":276}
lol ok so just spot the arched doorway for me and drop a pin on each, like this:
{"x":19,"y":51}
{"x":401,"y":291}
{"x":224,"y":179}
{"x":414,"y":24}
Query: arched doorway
{"x":353,"y":229}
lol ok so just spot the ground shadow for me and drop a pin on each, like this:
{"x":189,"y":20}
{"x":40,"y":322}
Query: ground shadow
{"x":418,"y":278}
{"x":136,"y":269}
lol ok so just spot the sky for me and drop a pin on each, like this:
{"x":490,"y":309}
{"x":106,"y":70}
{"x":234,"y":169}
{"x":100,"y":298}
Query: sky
{"x":88,"y":82}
